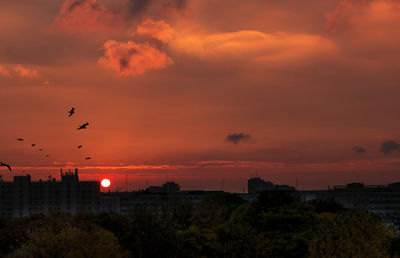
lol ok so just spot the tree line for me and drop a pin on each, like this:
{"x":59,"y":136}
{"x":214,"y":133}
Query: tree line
{"x":274,"y":225}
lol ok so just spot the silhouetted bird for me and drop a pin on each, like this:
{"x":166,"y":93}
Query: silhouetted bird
{"x":40,"y":149}
{"x":33,"y":145}
{"x":88,"y":158}
{"x":20,"y":139}
{"x":83,"y":126}
{"x":71,"y":112}
{"x":80,"y":146}
{"x":47,"y":155}
{"x":5,"y":165}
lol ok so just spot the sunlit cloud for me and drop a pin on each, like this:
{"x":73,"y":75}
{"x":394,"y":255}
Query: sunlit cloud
{"x":384,"y":164}
{"x":156,"y":29}
{"x":253,"y":46}
{"x":130,"y":58}
{"x":4,"y":72}
{"x":26,"y":72}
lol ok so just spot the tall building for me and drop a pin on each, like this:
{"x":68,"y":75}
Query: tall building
{"x":23,"y":198}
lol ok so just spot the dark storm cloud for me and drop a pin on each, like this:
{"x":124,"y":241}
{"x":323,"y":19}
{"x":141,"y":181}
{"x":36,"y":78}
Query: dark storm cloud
{"x":136,"y":7}
{"x":140,"y":7}
{"x":359,"y":150}
{"x":237,"y":137}
{"x":76,"y":4}
{"x":389,"y":146}
{"x":178,"y":4}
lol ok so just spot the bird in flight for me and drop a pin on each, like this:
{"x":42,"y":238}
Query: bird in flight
{"x":33,"y":145}
{"x":87,"y":158}
{"x":40,"y":149}
{"x":5,"y":165}
{"x":83,"y":126}
{"x":80,"y":146}
{"x":47,"y":155}
{"x":71,"y":112}
{"x":20,"y":139}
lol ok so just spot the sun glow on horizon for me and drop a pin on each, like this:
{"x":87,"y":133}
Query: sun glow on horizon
{"x":105,"y":183}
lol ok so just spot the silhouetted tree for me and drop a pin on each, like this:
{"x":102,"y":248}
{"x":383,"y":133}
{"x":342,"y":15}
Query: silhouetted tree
{"x":216,"y":209}
{"x":351,"y":233}
{"x":60,"y":237}
{"x":327,"y":206}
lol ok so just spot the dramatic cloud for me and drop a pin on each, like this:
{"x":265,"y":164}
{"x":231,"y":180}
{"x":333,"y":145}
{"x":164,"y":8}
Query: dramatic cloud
{"x":155,"y":29}
{"x":26,"y":72}
{"x":253,"y":45}
{"x":389,"y":146}
{"x":130,"y":58}
{"x":4,"y":72}
{"x":89,"y":15}
{"x":237,"y":137}
{"x":359,"y":150}
{"x":80,"y":15}
{"x":267,"y":65}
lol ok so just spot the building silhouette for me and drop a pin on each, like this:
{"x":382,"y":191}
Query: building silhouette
{"x":23,"y":198}
{"x":382,"y":200}
{"x":168,"y":187}
{"x":257,"y":185}
{"x":155,"y":198}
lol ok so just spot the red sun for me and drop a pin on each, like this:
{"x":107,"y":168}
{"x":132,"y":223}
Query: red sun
{"x":105,"y":183}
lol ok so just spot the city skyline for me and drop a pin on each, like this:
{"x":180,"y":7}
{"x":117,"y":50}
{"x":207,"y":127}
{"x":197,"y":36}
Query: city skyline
{"x":203,"y":93}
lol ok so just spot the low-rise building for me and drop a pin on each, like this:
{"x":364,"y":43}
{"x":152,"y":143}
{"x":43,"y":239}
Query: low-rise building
{"x":23,"y":198}
{"x":257,"y":185}
{"x":382,"y":200}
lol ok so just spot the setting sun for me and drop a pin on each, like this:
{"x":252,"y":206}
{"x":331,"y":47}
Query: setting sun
{"x":105,"y":183}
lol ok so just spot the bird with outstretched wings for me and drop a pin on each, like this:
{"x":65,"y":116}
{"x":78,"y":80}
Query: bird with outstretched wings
{"x":84,"y":126}
{"x":71,"y":112}
{"x":2,"y":164}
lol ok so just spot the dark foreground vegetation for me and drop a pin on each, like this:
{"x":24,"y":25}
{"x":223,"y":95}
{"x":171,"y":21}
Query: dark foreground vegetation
{"x":274,"y":225}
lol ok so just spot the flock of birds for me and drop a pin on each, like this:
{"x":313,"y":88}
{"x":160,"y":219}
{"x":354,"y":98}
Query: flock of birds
{"x":81,"y":127}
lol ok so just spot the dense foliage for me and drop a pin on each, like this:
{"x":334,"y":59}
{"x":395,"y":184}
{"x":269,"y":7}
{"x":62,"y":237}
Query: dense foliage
{"x":223,"y":225}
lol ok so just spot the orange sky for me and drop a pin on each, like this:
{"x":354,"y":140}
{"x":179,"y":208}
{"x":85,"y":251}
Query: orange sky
{"x":163,"y":83}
